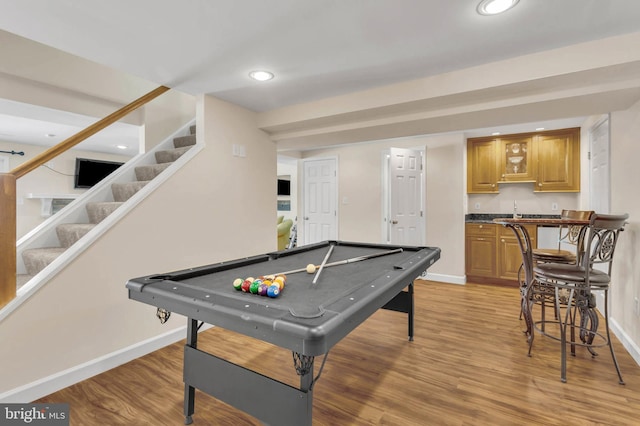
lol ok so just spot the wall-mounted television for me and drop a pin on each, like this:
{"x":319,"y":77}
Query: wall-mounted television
{"x":89,"y":172}
{"x":284,"y":187}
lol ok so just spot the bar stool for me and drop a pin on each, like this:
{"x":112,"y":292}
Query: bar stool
{"x":571,"y":234}
{"x":579,"y":280}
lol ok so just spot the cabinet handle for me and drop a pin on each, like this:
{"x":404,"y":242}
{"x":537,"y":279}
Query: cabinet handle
{"x":493,"y":185}
{"x":480,"y":239}
{"x":480,"y":226}
{"x":502,"y":240}
{"x":540,"y":184}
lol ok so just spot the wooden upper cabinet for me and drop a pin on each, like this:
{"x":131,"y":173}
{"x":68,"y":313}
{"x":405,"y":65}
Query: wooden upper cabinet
{"x":558,"y":155}
{"x":482,"y":166}
{"x":516,"y":159}
{"x":551,"y":160}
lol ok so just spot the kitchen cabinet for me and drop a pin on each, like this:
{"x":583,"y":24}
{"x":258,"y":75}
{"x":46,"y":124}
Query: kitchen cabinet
{"x":492,"y":253}
{"x":509,"y":253}
{"x":480,"y":250}
{"x":516,"y":159}
{"x":550,"y":160}
{"x":558,"y":163}
{"x":482,"y":166}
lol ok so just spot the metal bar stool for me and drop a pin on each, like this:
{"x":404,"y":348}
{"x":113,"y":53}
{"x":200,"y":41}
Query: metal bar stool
{"x":541,"y":294}
{"x":573,"y":286}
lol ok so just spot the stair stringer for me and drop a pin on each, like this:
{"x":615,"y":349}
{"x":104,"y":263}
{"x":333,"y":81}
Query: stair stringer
{"x":45,"y":234}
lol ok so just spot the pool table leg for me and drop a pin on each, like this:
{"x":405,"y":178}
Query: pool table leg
{"x":410,"y":313}
{"x":190,"y":391}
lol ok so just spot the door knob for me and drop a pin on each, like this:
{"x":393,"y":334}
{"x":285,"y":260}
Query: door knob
{"x":306,"y":218}
{"x":394,"y":222}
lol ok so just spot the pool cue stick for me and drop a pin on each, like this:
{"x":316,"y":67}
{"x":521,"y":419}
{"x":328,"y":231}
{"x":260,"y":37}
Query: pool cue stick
{"x":343,"y":262}
{"x":324,"y":262}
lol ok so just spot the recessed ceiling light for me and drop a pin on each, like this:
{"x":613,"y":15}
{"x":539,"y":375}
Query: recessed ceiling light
{"x":493,"y":7}
{"x":495,"y":133}
{"x":122,"y":146}
{"x":261,"y":75}
{"x":50,"y":135}
{"x":539,"y":128}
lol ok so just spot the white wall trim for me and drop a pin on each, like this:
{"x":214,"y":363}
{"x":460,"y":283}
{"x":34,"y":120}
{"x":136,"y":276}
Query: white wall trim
{"x":625,"y":339}
{"x":449,"y":279}
{"x":48,"y":385}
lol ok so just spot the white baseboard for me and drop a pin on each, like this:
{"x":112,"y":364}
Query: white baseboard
{"x":626,"y":341}
{"x":450,"y":279}
{"x":48,"y":385}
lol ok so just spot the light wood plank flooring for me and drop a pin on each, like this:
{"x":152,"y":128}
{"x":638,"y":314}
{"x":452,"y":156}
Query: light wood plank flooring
{"x":467,"y":366}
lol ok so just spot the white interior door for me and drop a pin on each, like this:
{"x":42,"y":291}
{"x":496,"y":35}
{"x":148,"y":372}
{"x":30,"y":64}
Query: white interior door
{"x":320,"y":200}
{"x":406,"y":220}
{"x":599,"y":167}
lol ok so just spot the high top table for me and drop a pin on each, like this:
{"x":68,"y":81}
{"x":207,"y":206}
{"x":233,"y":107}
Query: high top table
{"x":517,"y":225}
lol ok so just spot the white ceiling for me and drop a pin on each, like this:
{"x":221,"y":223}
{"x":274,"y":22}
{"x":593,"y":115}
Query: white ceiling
{"x":316,"y":48}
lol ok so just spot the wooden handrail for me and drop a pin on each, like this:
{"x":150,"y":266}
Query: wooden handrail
{"x":8,"y":191}
{"x":68,"y":143}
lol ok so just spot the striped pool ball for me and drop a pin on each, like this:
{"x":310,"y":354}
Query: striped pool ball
{"x":237,"y":283}
{"x":253,"y":288}
{"x":245,"y":286}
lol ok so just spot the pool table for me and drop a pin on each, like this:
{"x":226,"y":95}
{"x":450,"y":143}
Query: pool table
{"x":307,"y":318}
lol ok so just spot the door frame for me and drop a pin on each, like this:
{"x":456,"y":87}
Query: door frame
{"x":302,"y":238}
{"x":385,"y":156}
{"x":606,"y":119}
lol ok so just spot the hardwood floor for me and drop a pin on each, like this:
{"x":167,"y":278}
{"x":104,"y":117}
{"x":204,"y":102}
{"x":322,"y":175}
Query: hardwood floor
{"x":466,"y":366}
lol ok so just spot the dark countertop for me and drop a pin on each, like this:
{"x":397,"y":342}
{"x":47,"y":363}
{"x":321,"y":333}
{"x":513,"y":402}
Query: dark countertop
{"x":488,"y":217}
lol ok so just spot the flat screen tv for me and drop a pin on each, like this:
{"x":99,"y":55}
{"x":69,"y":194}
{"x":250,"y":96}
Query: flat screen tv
{"x":89,"y":172}
{"x":284,"y":187}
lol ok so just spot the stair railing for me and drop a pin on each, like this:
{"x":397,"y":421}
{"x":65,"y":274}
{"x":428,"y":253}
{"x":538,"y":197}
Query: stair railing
{"x":8,"y":227}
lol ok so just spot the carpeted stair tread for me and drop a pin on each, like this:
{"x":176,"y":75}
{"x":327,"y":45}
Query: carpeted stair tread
{"x":97,"y":211}
{"x":22,"y":279}
{"x":192,"y":129}
{"x":35,"y":260}
{"x":150,"y":171}
{"x":170,"y":155}
{"x":183,"y":141}
{"x":69,"y":233}
{"x":124,"y":191}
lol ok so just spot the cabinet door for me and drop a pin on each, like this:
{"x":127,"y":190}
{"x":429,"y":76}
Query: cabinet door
{"x":510,"y":255}
{"x":516,"y":154}
{"x":481,"y":256}
{"x":481,"y":166}
{"x":558,"y":157}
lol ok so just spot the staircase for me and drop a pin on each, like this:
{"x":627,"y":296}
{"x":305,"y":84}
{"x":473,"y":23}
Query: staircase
{"x":97,"y":208}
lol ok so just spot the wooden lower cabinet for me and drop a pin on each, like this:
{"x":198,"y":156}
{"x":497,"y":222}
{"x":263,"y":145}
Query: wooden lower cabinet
{"x":480,"y":250}
{"x":492,"y":253}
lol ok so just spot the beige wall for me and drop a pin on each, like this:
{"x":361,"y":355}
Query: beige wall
{"x":211,"y":210}
{"x":360,"y":181}
{"x":625,"y":177}
{"x":43,"y":180}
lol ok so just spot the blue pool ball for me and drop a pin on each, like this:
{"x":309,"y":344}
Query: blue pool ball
{"x":273,"y":291}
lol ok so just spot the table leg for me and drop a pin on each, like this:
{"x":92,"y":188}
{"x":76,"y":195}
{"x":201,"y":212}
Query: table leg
{"x":190,"y":391}
{"x":410,"y":313}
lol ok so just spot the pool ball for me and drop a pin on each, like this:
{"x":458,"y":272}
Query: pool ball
{"x":253,"y":288}
{"x":237,"y":283}
{"x":311,"y":268}
{"x":246,"y":284}
{"x":262,"y":289}
{"x":273,"y":291}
